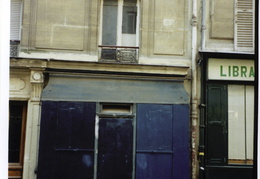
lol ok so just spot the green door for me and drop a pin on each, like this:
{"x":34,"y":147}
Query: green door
{"x":217,"y":114}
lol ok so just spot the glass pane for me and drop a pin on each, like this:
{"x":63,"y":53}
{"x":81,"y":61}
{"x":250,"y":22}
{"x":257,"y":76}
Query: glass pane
{"x":109,"y":29}
{"x":129,"y":20}
{"x":236,"y":123}
{"x":249,"y":123}
{"x":240,"y":124}
{"x":15,"y":129}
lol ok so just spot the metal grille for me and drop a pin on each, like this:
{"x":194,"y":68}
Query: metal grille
{"x":14,"y":47}
{"x":118,"y":54}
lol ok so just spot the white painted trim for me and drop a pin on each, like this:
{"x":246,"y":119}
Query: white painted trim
{"x":100,"y":23}
{"x":119,"y":22}
{"x":138,"y":22}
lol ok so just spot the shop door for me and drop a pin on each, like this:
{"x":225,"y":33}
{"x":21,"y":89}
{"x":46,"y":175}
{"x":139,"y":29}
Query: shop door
{"x":115,"y":148}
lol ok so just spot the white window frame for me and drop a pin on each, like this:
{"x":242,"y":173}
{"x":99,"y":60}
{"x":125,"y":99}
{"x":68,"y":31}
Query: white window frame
{"x":119,"y":22}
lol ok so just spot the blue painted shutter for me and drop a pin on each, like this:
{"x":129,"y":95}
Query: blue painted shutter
{"x":162,"y":141}
{"x":67,"y":140}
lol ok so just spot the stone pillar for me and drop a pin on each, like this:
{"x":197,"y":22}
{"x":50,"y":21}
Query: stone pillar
{"x":33,"y":124}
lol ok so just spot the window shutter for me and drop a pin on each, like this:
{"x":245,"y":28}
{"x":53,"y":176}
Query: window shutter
{"x":16,"y":9}
{"x":217,"y":151}
{"x":244,"y":25}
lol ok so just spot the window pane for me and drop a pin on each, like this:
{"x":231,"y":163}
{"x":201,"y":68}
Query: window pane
{"x":236,"y":123}
{"x":129,"y":20}
{"x":109,"y":29}
{"x":15,"y":129}
{"x":249,"y":123}
{"x":240,"y":124}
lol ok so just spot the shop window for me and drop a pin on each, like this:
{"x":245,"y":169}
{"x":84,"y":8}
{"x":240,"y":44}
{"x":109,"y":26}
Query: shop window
{"x":230,"y":116}
{"x":119,"y":34}
{"x":17,"y":120}
{"x":120,"y":141}
{"x":240,"y":124}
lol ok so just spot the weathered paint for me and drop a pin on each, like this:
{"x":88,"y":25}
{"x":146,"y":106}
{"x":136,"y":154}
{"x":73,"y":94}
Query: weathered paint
{"x":78,"y":88}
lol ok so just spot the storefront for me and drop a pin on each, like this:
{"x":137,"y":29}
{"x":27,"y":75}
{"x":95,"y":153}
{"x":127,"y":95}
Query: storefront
{"x":26,"y":83}
{"x":227,"y":120}
{"x":118,"y":125}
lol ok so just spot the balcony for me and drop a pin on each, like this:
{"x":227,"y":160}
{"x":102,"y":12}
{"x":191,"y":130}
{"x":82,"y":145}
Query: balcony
{"x":14,"y":48}
{"x":118,"y":54}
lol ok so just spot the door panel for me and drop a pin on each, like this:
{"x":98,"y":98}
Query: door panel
{"x":154,"y":155}
{"x":74,"y":164}
{"x":75,"y":125}
{"x":154,"y":165}
{"x":67,"y":140}
{"x":162,"y":141}
{"x":115,"y":149}
{"x":217,"y":125}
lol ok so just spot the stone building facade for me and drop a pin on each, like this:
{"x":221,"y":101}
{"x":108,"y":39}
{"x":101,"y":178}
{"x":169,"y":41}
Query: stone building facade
{"x":122,"y":88}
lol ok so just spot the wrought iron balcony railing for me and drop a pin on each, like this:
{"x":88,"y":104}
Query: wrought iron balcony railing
{"x":120,"y":54}
{"x":14,"y":48}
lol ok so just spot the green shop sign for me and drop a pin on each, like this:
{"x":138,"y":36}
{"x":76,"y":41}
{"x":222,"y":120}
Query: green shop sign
{"x":226,"y":69}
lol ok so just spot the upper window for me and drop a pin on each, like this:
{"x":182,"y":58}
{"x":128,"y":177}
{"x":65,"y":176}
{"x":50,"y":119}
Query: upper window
{"x":15,"y":23}
{"x":15,"y":26}
{"x":119,"y":22}
{"x":119,"y":31}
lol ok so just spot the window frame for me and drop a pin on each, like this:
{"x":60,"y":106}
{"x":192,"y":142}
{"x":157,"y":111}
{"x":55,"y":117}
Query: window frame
{"x":120,"y":33}
{"x":16,"y":168}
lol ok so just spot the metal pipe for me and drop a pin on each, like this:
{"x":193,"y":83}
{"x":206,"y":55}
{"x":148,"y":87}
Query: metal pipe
{"x":194,"y":99}
{"x":203,"y":25}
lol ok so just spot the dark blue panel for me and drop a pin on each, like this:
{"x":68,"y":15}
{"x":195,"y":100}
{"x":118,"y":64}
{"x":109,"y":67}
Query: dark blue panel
{"x":163,"y":130}
{"x":46,"y":160}
{"x":66,"y":147}
{"x":115,"y":149}
{"x":154,"y":127}
{"x":181,"y":133}
{"x":154,"y":166}
{"x":74,"y":165}
{"x":76,"y":124}
{"x":154,"y":158}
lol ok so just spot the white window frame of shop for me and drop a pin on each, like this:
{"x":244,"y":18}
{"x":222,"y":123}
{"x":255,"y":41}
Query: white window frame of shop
{"x":240,"y":124}
{"x":244,"y":25}
{"x":16,"y":18}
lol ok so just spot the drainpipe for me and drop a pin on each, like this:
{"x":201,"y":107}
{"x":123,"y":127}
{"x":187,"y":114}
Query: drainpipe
{"x":194,"y":98}
{"x":203,"y":25}
{"x":202,"y":106}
